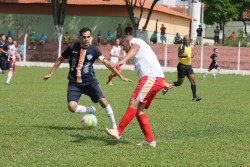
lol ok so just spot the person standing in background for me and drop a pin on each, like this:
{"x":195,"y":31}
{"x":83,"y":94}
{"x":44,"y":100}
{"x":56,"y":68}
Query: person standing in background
{"x":163,"y":37}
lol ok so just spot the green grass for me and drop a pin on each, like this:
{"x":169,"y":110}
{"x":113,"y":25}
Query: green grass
{"x":36,"y":129}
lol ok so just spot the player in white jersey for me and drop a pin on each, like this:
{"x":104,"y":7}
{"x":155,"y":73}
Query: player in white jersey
{"x":151,"y":81}
{"x":115,"y":54}
{"x":13,"y":53}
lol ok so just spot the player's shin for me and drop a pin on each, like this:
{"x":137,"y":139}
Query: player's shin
{"x":110,"y":114}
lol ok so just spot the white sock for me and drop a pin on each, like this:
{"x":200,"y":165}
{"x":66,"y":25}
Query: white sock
{"x":82,"y":109}
{"x":1,"y":71}
{"x":9,"y":77}
{"x":111,"y":116}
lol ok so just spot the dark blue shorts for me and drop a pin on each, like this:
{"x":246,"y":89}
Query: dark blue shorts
{"x":5,"y":65}
{"x":76,"y":90}
{"x":184,"y":70}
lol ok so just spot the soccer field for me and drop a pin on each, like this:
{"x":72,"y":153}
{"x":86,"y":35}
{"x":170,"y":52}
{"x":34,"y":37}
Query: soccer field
{"x":36,"y":129}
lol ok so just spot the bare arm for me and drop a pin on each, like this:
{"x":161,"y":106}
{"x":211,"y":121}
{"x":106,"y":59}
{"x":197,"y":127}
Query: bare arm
{"x":132,"y":52}
{"x":54,"y":68}
{"x":113,"y":69}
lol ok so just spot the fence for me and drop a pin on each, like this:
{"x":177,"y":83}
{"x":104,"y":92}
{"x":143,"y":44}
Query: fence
{"x":231,"y":58}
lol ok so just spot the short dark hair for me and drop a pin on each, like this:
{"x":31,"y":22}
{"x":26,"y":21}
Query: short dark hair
{"x":85,"y":29}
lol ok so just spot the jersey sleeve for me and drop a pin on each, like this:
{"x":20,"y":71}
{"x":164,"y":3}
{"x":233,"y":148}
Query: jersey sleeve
{"x":67,"y":52}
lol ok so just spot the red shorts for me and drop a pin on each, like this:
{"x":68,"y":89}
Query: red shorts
{"x":147,"y":89}
{"x":118,"y":68}
{"x":12,"y":59}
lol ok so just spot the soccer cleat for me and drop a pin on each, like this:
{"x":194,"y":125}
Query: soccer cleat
{"x":164,"y":91}
{"x":197,"y":98}
{"x":110,"y":83}
{"x":8,"y":83}
{"x":113,"y":133}
{"x":92,"y":110}
{"x":149,"y":144}
{"x":204,"y":76}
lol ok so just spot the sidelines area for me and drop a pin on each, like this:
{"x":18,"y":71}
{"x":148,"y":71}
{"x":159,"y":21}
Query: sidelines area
{"x":131,"y":67}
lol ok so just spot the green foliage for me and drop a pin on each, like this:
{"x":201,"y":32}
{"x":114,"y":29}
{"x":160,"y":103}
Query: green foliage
{"x":220,"y":12}
{"x":241,"y":34}
{"x":38,"y":130}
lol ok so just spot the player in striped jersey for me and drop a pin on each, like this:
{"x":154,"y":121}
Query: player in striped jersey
{"x":81,"y":76}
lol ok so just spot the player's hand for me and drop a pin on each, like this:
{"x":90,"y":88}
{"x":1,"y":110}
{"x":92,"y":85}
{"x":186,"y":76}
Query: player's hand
{"x":169,"y":85}
{"x":46,"y":77}
{"x":119,"y":63}
{"x":125,"y":79}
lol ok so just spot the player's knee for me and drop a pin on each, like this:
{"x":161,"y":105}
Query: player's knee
{"x":72,"y":108}
{"x":103,"y":102}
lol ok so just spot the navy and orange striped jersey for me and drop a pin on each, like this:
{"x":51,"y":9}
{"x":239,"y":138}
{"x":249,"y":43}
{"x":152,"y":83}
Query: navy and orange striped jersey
{"x":81,"y":62}
{"x":5,"y":47}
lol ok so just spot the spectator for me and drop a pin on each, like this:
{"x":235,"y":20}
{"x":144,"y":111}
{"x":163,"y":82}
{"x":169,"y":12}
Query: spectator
{"x":10,"y":35}
{"x":32,"y":40}
{"x":153,"y":38}
{"x":233,"y":36}
{"x":119,"y":32}
{"x":99,"y":38}
{"x":20,"y":51}
{"x":216,"y":35}
{"x":109,"y":37}
{"x":43,"y":39}
{"x":199,"y":35}
{"x":177,"y":39}
{"x":128,"y":29}
{"x":66,"y":39}
{"x":163,"y":34}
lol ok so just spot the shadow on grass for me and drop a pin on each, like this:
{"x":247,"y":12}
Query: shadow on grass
{"x":58,"y":127}
{"x":82,"y":138}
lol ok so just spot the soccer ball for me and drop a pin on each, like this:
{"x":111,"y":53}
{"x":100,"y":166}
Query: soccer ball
{"x":89,"y":121}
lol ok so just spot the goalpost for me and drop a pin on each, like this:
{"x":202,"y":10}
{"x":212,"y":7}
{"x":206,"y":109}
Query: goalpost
{"x":25,"y":44}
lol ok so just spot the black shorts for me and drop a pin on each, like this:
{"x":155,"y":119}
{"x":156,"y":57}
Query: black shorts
{"x":76,"y":90}
{"x":184,"y":70}
{"x":213,"y":66}
{"x":216,"y":39}
{"x":6,"y":65}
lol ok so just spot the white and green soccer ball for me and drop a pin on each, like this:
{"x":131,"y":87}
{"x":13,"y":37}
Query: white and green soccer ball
{"x":89,"y":121}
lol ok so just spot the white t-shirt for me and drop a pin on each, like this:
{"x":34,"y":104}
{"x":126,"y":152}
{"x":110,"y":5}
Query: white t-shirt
{"x":12,"y":50}
{"x":115,"y":52}
{"x":145,"y":61}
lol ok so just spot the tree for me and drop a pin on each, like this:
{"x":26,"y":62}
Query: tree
{"x":58,"y":9}
{"x":130,"y":5}
{"x":243,"y":8}
{"x":219,"y":12}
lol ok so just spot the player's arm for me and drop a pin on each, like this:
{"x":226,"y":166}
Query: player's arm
{"x":113,"y":69}
{"x":54,"y":68}
{"x":3,"y":51}
{"x":181,"y":53}
{"x":131,"y":53}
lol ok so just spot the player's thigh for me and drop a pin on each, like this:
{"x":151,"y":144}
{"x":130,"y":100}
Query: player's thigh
{"x":147,"y":89}
{"x":181,"y":69}
{"x":95,"y":92}
{"x":6,"y":65}
{"x":74,"y":93}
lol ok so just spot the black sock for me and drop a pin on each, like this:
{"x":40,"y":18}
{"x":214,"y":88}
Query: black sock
{"x":193,"y":88}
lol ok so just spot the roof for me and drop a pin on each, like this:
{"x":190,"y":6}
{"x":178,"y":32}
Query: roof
{"x":147,"y":5}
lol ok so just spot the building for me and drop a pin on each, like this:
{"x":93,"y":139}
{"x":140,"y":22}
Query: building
{"x":26,"y":16}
